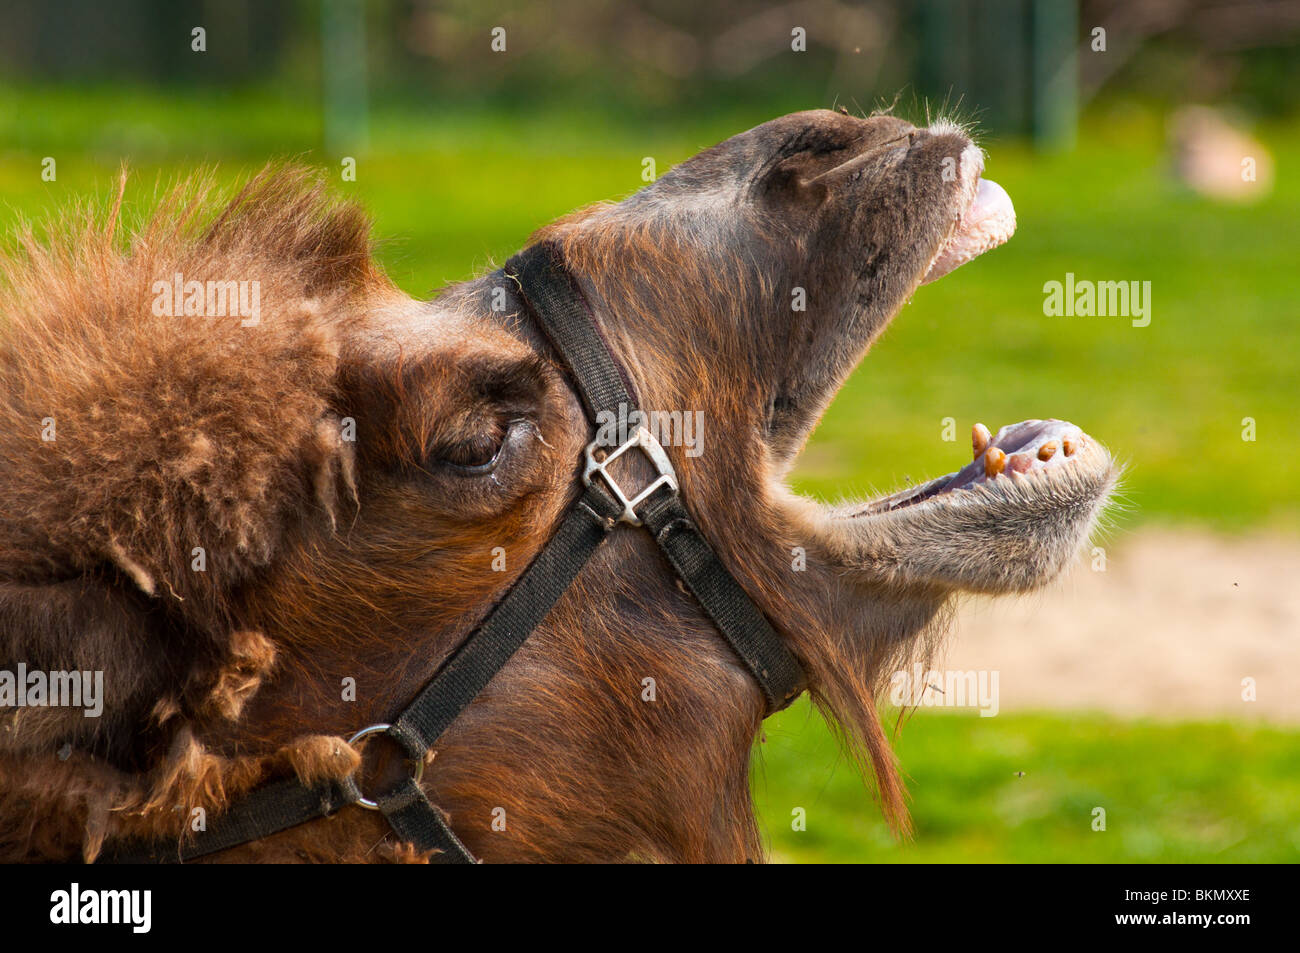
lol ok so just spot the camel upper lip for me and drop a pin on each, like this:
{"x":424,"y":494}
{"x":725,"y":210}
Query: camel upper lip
{"x":986,"y":221}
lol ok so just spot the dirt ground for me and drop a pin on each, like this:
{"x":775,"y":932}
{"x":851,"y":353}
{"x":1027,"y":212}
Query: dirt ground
{"x":1171,"y":628}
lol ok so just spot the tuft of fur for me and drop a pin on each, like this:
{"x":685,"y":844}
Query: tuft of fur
{"x":210,"y":417}
{"x":151,"y":465}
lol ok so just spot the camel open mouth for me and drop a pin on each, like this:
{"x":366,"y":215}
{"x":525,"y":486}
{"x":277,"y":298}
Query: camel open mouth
{"x":1030,"y":454}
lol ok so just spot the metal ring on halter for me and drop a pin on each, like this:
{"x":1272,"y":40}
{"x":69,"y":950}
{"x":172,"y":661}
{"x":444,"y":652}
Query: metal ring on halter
{"x":416,"y":776}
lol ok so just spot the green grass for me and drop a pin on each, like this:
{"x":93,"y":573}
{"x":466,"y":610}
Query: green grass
{"x":1207,"y":792}
{"x":452,"y":191}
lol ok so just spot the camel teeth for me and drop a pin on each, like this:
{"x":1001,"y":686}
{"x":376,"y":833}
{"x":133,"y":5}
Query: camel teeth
{"x":979,"y":439}
{"x":1047,"y":450}
{"x":1069,"y":446}
{"x":995,"y":461}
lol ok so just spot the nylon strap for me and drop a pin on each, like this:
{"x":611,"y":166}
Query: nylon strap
{"x":527,"y":603}
{"x":745,"y":629}
{"x":418,"y":822}
{"x":561,"y":311}
{"x":266,"y":811}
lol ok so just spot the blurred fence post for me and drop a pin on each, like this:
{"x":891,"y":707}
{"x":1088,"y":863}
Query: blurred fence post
{"x":1013,"y":64}
{"x":1055,"y":73}
{"x":343,"y":74}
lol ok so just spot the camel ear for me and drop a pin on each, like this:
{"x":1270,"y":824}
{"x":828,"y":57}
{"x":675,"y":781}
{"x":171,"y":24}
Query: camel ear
{"x":100,"y":644}
{"x":792,"y":184}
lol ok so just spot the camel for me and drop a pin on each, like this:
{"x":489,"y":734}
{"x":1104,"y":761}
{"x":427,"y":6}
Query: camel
{"x":267,"y":532}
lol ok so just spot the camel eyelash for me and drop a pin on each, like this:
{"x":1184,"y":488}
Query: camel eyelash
{"x":487,"y":466}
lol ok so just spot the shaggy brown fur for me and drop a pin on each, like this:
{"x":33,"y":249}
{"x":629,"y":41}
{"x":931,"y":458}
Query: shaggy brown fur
{"x":332,"y":462}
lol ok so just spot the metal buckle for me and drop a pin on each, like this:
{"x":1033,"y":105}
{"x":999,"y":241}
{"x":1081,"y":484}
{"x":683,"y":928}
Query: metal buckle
{"x":417,"y":775}
{"x":653,"y":451}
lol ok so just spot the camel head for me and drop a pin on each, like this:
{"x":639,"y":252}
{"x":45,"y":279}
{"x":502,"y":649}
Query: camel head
{"x":268,"y":530}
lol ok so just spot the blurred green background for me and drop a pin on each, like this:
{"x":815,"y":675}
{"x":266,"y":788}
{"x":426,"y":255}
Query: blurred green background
{"x":461,"y":152}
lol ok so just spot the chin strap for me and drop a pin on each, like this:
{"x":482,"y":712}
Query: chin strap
{"x":561,"y":311}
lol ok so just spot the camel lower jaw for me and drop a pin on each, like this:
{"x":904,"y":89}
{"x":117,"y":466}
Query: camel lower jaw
{"x":1033,"y":456}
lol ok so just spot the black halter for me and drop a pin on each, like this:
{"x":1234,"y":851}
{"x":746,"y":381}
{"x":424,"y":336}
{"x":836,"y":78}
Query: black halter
{"x":557,"y":305}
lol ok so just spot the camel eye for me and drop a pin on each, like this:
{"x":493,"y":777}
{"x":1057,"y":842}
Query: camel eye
{"x":480,"y":453}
